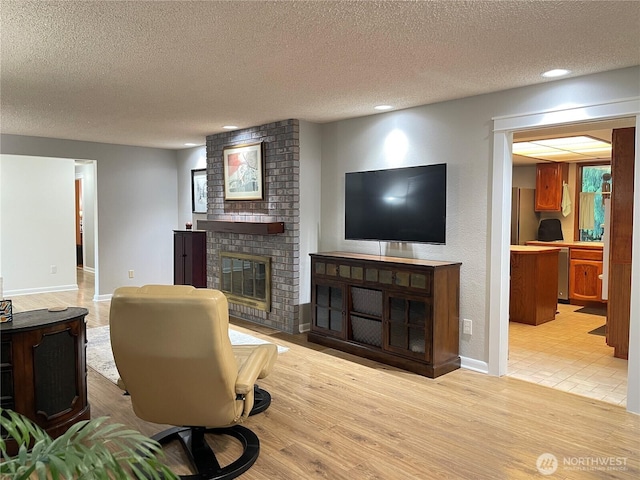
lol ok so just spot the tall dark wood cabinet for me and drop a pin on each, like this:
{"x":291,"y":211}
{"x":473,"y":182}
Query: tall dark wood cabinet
{"x":621,"y":240}
{"x":190,"y":258}
{"x":399,"y":311}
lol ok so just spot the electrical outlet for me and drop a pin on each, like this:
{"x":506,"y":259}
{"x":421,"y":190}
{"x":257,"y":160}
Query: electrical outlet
{"x":467,"y":326}
{"x":54,"y":269}
{"x":130,"y":273}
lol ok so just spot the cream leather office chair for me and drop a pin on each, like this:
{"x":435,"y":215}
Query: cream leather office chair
{"x":172,"y":350}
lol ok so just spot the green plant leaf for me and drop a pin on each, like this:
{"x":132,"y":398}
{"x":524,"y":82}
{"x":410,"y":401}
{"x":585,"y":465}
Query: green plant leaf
{"x":91,"y":449}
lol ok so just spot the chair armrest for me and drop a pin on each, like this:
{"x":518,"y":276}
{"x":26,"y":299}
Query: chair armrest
{"x":250,"y":370}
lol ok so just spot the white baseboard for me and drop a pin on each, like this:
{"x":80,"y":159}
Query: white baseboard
{"x":473,"y":364}
{"x":30,"y":291}
{"x":89,"y":269}
{"x":102,"y":298}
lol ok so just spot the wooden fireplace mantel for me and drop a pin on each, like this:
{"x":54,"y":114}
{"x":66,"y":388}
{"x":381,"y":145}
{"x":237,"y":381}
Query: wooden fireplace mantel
{"x":250,"y":228}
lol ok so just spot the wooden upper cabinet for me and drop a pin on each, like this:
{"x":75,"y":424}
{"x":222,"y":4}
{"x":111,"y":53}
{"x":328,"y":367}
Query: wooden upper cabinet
{"x":549,"y":179}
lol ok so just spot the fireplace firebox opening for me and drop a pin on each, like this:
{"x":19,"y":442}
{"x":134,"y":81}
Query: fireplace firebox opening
{"x":246,"y":279}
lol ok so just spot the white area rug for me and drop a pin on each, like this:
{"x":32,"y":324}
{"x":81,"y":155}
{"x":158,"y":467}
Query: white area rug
{"x":100,"y":356}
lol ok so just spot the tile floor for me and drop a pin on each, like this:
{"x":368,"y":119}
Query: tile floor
{"x":562,"y":354}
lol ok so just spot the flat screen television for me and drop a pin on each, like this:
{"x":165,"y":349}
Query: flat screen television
{"x":398,"y":205}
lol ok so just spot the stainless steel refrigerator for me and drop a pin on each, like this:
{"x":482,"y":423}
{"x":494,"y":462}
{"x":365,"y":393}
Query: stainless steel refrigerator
{"x":524,"y":218}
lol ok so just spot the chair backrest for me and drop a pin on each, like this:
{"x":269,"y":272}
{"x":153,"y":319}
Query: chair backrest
{"x":172,"y":350}
{"x":550,"y":230}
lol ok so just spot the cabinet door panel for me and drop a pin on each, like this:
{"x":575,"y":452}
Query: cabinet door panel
{"x":322,"y":295}
{"x":322,"y":318}
{"x":549,"y":178}
{"x":328,"y":309}
{"x":336,"y":297}
{"x":407,"y":327}
{"x":335,"y":322}
{"x":178,"y":259}
{"x":585,"y":283}
{"x":417,"y":312}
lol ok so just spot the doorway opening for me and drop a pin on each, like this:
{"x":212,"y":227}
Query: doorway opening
{"x":86,"y":223}
{"x":504,"y":129}
{"x":78,"y":223}
{"x":570,"y":352}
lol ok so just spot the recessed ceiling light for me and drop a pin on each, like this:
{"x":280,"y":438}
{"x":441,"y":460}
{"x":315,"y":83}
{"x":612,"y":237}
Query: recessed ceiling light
{"x":229,"y":127}
{"x":382,"y":107}
{"x":557,"y":72}
{"x":190,"y":144}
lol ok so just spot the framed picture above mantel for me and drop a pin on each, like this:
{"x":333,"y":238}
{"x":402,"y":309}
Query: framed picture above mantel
{"x":243,"y":172}
{"x":199,"y":190}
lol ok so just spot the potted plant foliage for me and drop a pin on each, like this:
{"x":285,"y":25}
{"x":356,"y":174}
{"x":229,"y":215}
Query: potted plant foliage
{"x":90,"y":449}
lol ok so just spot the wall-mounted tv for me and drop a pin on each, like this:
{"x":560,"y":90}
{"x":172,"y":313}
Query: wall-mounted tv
{"x":397,"y":205}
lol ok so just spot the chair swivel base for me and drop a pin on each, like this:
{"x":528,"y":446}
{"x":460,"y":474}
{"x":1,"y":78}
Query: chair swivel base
{"x":261,"y":400}
{"x":203,"y":459}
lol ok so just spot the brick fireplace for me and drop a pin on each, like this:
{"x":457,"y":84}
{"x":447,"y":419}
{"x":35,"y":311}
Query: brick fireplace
{"x":281,"y":203}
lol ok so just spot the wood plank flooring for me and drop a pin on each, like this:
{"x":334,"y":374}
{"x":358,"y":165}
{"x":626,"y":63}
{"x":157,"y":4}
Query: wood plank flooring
{"x":336,"y":416}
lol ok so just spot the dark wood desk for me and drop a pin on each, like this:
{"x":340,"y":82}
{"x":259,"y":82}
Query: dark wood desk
{"x":44,"y":369}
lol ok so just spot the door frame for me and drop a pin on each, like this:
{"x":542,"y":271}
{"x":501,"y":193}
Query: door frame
{"x":503,"y":130}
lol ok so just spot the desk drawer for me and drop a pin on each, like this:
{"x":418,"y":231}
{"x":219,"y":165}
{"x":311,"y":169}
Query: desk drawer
{"x":584,"y":254}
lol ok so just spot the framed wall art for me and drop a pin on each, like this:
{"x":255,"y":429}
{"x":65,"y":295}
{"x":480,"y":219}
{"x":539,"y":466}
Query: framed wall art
{"x":199,"y":190}
{"x":243,"y":172}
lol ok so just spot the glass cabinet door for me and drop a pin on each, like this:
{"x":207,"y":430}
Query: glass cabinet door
{"x":328,"y":308}
{"x":407,"y":325}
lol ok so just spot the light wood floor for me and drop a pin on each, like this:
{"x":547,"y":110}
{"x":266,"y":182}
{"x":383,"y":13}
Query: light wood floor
{"x":336,"y":416}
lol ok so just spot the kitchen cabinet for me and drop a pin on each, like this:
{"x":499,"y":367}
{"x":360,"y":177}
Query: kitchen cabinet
{"x":533,"y":288}
{"x":549,"y":180}
{"x":190,"y":258}
{"x":585,"y":268}
{"x":398,"y":311}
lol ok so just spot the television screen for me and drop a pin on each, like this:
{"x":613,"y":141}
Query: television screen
{"x":398,"y":205}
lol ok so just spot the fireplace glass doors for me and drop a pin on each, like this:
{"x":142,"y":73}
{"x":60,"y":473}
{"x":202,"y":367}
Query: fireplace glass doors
{"x":246,"y":279}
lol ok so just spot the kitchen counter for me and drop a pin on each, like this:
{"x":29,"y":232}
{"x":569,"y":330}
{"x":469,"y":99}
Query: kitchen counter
{"x":568,"y":244}
{"x":533,"y":249}
{"x":585,"y":269}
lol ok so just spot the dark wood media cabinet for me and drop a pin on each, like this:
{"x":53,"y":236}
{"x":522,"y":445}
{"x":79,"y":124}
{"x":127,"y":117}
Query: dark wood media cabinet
{"x":399,"y":311}
{"x":44,"y":368}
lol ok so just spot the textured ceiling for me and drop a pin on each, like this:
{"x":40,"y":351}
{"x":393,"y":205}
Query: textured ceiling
{"x":160,"y":74}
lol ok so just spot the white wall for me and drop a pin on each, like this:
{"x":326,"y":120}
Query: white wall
{"x":419,"y":136}
{"x":137,"y":196}
{"x":188,"y":159}
{"x":524,"y":176}
{"x":37,"y":243}
{"x":459,"y":133}
{"x":310,"y":207}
